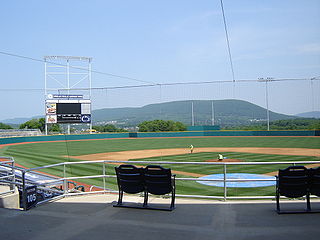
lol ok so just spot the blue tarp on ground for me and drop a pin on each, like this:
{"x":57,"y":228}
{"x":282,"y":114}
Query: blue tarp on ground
{"x":247,"y":184}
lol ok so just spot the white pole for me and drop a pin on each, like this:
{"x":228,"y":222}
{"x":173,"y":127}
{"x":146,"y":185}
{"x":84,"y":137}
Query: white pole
{"x":68,"y":76}
{"x":312,"y":94}
{"x":45,"y":94}
{"x":68,"y":86}
{"x":160,"y":98}
{"x":45,"y":77}
{"x":90,"y":80}
{"x":90,"y":86}
{"x":267,"y":101}
{"x":212,"y":113}
{"x":192,"y":115}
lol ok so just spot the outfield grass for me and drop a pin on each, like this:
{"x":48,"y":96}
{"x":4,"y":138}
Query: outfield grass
{"x":41,"y":154}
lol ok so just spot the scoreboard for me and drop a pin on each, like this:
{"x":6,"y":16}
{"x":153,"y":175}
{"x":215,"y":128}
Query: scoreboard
{"x":68,"y":111}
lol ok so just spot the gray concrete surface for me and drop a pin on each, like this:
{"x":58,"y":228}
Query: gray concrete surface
{"x":93,"y":217}
{"x":9,"y":200}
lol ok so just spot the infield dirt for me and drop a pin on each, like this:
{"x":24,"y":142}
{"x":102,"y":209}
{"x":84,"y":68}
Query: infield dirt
{"x":138,"y":154}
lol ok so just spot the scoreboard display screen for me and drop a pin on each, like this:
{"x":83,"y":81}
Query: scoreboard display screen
{"x":64,"y":111}
{"x":69,"y":118}
{"x":68,"y":108}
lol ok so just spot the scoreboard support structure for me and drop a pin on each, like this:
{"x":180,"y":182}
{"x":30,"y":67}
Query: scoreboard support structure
{"x":63,"y":76}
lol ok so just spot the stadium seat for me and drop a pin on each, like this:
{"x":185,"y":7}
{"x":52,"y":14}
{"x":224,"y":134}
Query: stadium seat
{"x":153,"y":179}
{"x":130,"y":180}
{"x":160,"y":181}
{"x":314,"y":174}
{"x":315,"y":181}
{"x":293,"y":182}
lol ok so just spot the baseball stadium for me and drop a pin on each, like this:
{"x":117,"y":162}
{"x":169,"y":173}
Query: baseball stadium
{"x":242,"y":154}
{"x":77,"y":172}
{"x":177,"y":120}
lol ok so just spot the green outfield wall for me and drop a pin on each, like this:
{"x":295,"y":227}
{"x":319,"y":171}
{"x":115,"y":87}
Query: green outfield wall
{"x":203,"y":128}
{"x":227,"y":134}
{"x":14,"y":140}
{"x":62,"y":138}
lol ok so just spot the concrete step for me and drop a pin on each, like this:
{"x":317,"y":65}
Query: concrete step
{"x":9,"y":200}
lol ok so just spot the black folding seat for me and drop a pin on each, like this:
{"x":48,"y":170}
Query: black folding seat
{"x":130,"y":179}
{"x":293,"y":182}
{"x":314,"y":174}
{"x":314,"y":181}
{"x":159,"y":181}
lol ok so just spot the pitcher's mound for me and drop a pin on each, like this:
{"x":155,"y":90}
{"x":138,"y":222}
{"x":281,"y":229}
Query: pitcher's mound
{"x":224,"y":160}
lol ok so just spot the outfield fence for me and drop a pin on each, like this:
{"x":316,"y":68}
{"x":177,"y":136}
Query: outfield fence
{"x":5,"y":133}
{"x":284,"y":96}
{"x":62,"y":184}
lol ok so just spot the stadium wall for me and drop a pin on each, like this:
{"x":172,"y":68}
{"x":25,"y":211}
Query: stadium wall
{"x":62,"y":138}
{"x":203,"y":128}
{"x":14,"y":140}
{"x":227,"y":134}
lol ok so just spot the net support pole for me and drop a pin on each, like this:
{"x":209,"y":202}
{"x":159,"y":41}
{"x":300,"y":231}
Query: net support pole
{"x":267,"y":103}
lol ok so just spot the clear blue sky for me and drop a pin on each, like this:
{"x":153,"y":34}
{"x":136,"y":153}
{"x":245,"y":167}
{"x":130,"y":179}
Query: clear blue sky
{"x":160,"y":41}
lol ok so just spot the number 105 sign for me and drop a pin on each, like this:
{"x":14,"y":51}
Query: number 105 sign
{"x":31,"y":197}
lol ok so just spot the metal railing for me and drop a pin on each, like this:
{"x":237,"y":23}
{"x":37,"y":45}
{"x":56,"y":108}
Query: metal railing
{"x":108,"y":166}
{"x":7,"y":174}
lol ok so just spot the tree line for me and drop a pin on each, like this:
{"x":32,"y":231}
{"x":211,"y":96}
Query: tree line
{"x":108,"y":128}
{"x":169,"y":125}
{"x":161,"y":126}
{"x":289,"y":124}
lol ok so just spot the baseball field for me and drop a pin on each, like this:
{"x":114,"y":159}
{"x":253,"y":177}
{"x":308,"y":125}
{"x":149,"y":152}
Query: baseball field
{"x":206,"y":149}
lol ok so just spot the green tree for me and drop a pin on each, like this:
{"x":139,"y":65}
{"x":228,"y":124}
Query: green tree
{"x":161,"y":126}
{"x":40,"y":124}
{"x":108,"y":128}
{"x":98,"y":128}
{"x":5,"y":126}
{"x":54,"y":127}
{"x":288,"y":124}
{"x":32,"y":124}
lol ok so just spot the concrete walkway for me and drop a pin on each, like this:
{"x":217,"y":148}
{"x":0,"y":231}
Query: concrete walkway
{"x":93,"y":217}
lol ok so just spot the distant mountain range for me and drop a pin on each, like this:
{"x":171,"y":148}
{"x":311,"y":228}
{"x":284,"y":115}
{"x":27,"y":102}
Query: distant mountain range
{"x":15,"y":121}
{"x":314,"y":114}
{"x":226,"y":113}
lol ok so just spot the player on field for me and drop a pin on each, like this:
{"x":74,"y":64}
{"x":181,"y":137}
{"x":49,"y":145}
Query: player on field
{"x":191,"y":148}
